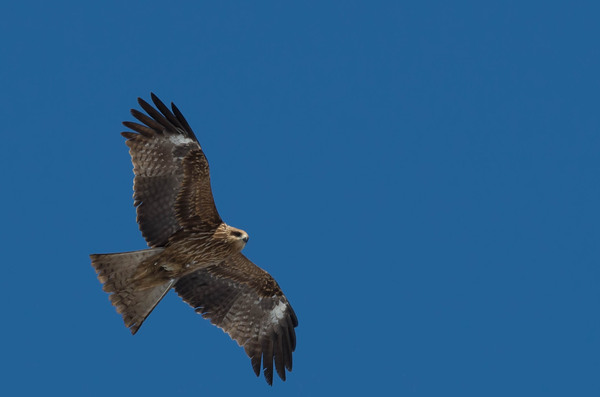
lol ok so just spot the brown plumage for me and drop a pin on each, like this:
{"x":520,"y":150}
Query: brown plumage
{"x":191,"y":248}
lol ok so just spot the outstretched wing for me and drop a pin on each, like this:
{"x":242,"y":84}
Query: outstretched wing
{"x":246,"y":302}
{"x":172,"y":180}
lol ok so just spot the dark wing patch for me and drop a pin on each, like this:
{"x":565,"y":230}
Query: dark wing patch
{"x":159,"y":150}
{"x":195,"y":206}
{"x":246,"y":302}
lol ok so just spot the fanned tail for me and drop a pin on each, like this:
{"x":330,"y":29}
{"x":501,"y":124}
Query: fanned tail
{"x":117,"y":273}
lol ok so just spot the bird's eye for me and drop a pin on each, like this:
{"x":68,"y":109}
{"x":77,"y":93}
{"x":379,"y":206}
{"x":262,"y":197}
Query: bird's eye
{"x":237,"y":234}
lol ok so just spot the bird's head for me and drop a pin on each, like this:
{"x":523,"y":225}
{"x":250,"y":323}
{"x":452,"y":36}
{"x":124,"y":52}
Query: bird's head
{"x":237,"y":237}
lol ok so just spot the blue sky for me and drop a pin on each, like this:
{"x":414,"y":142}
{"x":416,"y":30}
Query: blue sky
{"x":421,"y":180}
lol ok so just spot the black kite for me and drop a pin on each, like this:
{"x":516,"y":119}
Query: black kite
{"x":191,"y":248}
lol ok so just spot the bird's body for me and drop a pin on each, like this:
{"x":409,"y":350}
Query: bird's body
{"x":191,"y":249}
{"x":187,"y":252}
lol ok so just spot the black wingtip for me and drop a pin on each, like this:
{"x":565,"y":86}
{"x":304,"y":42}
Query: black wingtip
{"x":256,"y":364}
{"x":183,"y":121}
{"x":267,"y":348}
{"x":169,"y":118}
{"x":269,"y":376}
{"x":279,"y":355}
{"x":155,"y":98}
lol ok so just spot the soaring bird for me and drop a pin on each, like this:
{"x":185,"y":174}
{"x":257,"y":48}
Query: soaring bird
{"x":191,"y":249}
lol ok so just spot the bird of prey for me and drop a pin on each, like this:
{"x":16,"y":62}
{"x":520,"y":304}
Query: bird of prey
{"x":191,"y":249}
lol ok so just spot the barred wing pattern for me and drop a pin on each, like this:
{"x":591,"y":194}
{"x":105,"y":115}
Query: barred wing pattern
{"x":247,"y":303}
{"x":171,"y":173}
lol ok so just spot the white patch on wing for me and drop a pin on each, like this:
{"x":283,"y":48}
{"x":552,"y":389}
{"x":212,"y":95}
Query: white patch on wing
{"x":180,"y":139}
{"x":278,"y":312}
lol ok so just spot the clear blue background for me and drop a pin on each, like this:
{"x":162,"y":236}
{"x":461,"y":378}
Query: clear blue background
{"x":421,"y":179}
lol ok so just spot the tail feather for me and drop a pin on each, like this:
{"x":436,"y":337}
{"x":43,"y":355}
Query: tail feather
{"x":117,"y":272}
